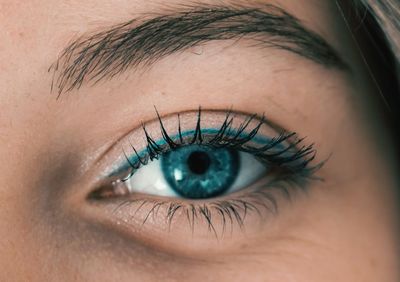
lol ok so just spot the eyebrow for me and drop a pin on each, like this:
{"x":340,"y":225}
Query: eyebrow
{"x":110,"y":52}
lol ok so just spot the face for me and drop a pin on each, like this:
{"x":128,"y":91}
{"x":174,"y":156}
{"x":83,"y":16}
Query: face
{"x":191,"y":141}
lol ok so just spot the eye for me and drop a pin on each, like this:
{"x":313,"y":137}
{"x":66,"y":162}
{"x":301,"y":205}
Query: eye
{"x":207,"y":156}
{"x":201,"y":171}
{"x":197,"y":172}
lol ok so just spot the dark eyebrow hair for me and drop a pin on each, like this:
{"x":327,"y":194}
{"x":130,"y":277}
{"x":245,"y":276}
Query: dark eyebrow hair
{"x":143,"y":42}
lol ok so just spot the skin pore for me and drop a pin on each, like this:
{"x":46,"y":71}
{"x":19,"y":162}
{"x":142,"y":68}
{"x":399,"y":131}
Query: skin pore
{"x":56,"y":146}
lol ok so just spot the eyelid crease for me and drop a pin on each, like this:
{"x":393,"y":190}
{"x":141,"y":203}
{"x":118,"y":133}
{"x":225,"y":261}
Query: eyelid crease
{"x":162,"y":142}
{"x":178,"y":114}
{"x":269,"y":149}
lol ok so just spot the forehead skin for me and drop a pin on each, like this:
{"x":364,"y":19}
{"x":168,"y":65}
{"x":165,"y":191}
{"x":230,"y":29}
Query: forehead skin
{"x":44,"y":142}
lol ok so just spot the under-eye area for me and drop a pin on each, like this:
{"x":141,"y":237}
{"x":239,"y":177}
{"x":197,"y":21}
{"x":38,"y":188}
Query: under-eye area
{"x":207,"y":171}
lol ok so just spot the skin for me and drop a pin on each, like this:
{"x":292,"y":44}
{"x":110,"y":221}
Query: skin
{"x":344,"y":228}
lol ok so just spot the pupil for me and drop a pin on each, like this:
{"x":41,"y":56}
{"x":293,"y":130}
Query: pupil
{"x":199,"y":162}
{"x":200,"y":172}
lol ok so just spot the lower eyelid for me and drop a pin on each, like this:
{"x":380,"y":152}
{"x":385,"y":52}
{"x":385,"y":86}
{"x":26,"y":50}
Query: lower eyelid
{"x":174,"y":225}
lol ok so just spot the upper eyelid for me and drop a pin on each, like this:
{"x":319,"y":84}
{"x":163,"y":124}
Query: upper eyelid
{"x":142,"y":153}
{"x":110,"y":162}
{"x":246,"y":122}
{"x":126,"y":140}
{"x":110,"y":52}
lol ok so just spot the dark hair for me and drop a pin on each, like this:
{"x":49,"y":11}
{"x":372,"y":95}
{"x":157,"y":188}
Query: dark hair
{"x":376,"y":26}
{"x":384,"y":26}
{"x":382,"y":19}
{"x":387,"y":15}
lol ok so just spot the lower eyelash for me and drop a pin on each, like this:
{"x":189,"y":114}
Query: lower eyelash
{"x":232,"y":212}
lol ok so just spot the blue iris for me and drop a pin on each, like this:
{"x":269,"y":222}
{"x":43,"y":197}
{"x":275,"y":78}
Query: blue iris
{"x":200,"y":172}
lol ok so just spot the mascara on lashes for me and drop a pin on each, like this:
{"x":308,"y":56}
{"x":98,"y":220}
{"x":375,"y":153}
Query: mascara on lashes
{"x":269,"y":150}
{"x":141,"y":155}
{"x":293,"y":156}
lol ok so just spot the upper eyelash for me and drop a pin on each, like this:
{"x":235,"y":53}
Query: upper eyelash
{"x":231,"y":137}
